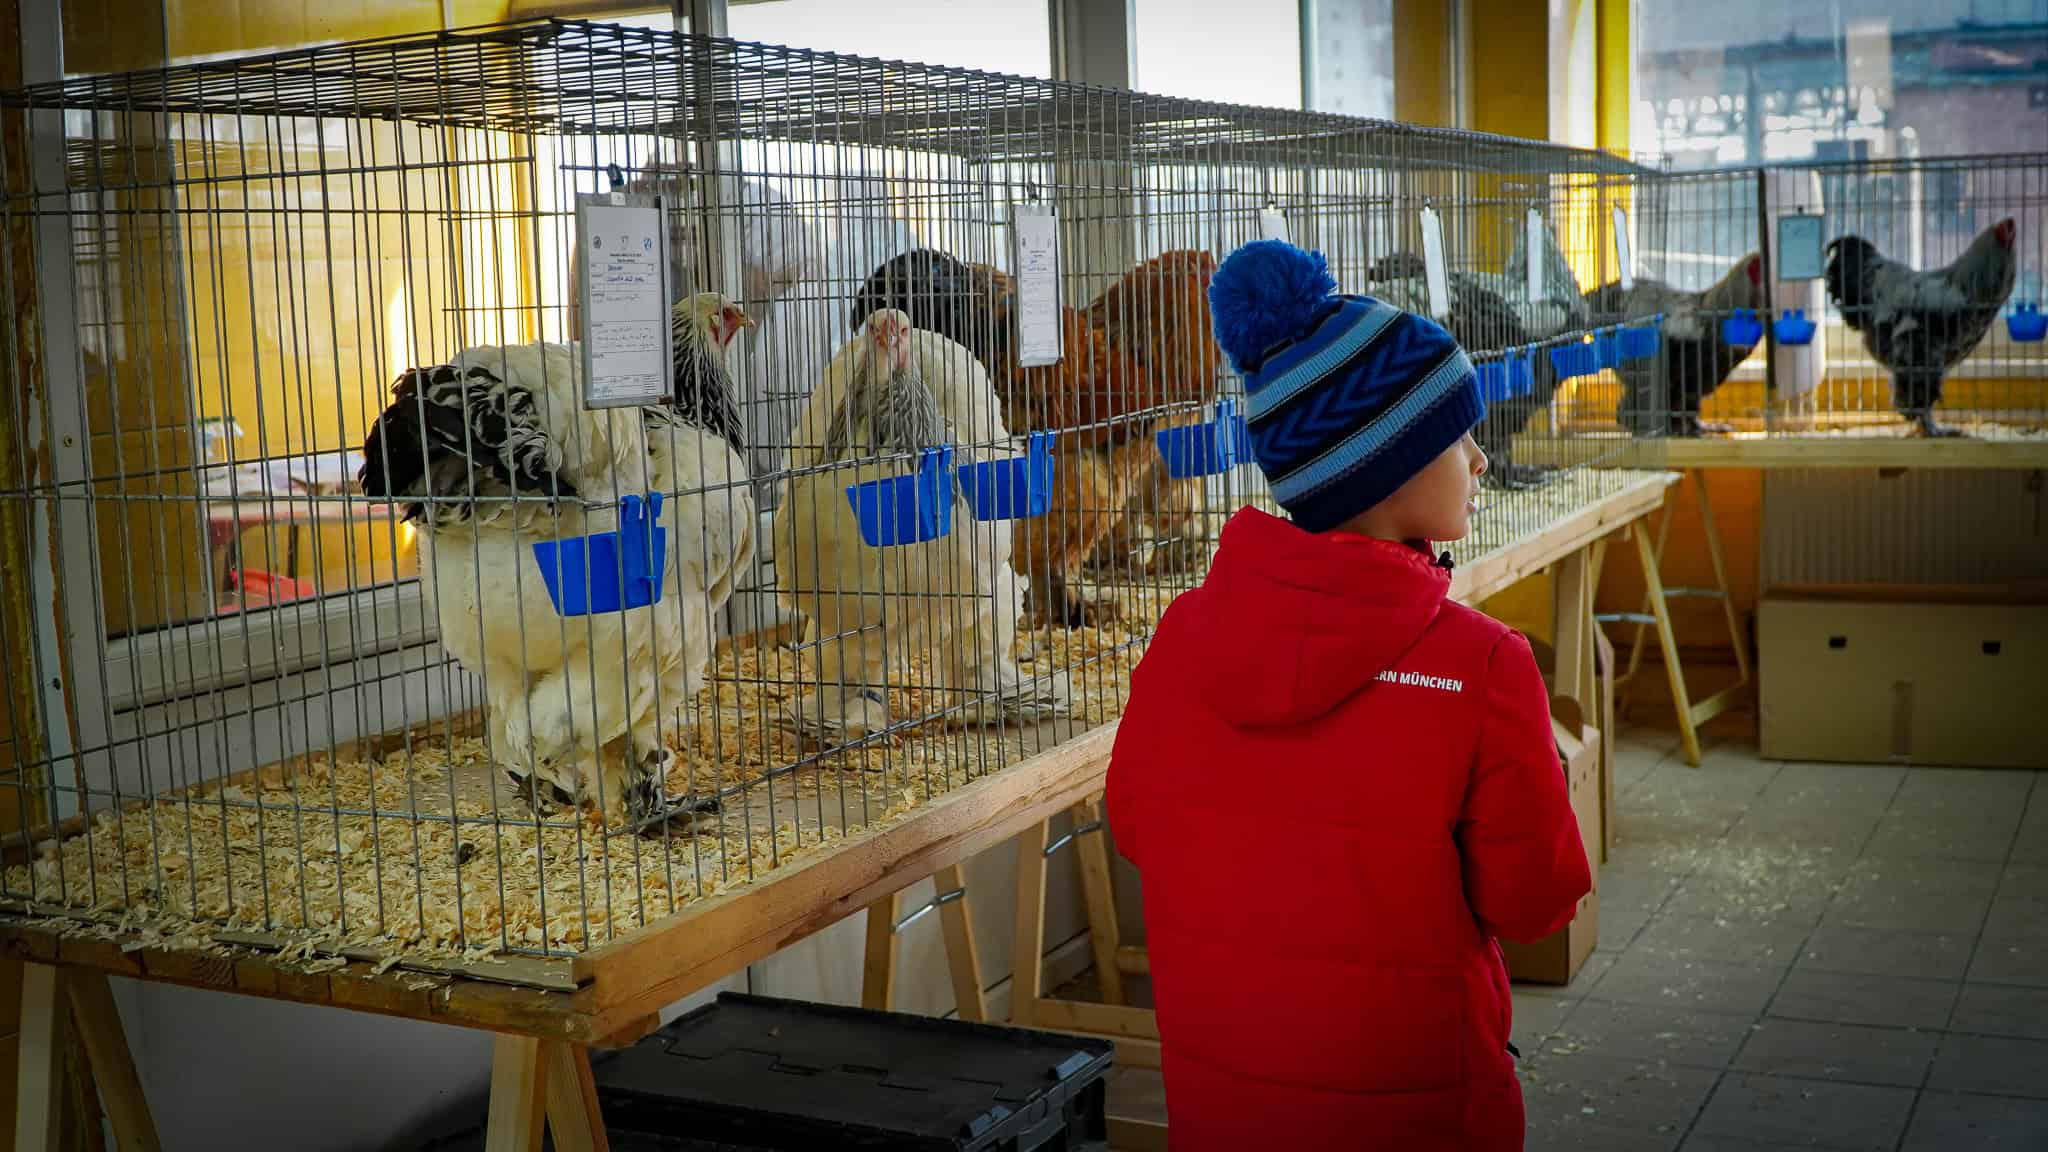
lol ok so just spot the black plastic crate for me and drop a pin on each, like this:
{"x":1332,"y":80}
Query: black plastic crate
{"x":757,"y":1074}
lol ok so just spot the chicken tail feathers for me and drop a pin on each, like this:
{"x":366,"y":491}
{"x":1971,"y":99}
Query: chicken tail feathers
{"x":453,"y":435}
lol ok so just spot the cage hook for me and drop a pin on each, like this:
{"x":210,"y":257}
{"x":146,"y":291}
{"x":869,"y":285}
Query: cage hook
{"x":617,"y":177}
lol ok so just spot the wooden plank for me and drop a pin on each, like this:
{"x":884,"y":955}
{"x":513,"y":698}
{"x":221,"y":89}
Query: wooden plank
{"x":1098,"y":894}
{"x":468,"y":1003}
{"x":548,"y":973}
{"x":1495,"y":571}
{"x":1134,"y":960}
{"x":661,"y":963}
{"x":1732,"y":696}
{"x":198,"y":969}
{"x":1027,"y":944}
{"x":878,"y":963}
{"x":963,"y":956}
{"x":1115,"y":1020}
{"x":1571,"y":620}
{"x":1653,"y":585}
{"x":113,"y":1065}
{"x":527,"y":1012}
{"x":362,"y":988}
{"x":37,"y":1084}
{"x":1774,"y":452}
{"x":1713,"y":535}
{"x":518,"y":1095}
{"x":102,"y":955}
{"x":575,"y":1119}
{"x":1133,"y":1052}
{"x":1127,"y":1134}
{"x":1604,"y":650}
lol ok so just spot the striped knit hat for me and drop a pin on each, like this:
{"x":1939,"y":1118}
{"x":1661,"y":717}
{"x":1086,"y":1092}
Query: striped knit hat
{"x":1348,"y":396}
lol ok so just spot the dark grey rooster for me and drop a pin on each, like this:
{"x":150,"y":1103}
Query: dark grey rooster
{"x":1920,"y":325}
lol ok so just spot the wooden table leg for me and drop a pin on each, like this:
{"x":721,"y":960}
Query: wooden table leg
{"x":1027,"y":947}
{"x":574,"y":1118}
{"x":1712,"y":531}
{"x":36,"y":1082}
{"x":113,"y":1065}
{"x":1660,"y":610}
{"x":963,"y":958}
{"x":878,"y":969}
{"x":518,"y":1095}
{"x":1096,"y":891}
{"x":1571,"y":631}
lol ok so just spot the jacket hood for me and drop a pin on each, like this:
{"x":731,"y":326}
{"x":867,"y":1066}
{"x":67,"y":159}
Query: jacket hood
{"x":1293,"y":624}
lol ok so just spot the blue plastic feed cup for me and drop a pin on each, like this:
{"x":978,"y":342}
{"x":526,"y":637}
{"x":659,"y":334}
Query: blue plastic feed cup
{"x":2027,"y":324}
{"x":608,"y":571}
{"x":1640,"y":341}
{"x":1742,"y":328}
{"x":1575,"y":360}
{"x":1793,"y":329}
{"x":906,"y":509}
{"x":1013,"y":489}
{"x":1205,"y":449}
{"x":1493,"y":380}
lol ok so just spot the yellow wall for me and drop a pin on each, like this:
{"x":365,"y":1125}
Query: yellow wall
{"x":20,"y":735}
{"x":120,"y":35}
{"x":200,"y":27}
{"x":1506,"y":42}
{"x":1422,"y":80}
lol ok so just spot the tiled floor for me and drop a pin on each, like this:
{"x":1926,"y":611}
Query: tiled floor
{"x":1804,"y":956}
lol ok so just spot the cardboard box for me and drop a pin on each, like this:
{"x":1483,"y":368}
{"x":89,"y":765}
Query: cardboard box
{"x":1603,"y":654}
{"x":1557,"y":958}
{"x":1860,"y":681}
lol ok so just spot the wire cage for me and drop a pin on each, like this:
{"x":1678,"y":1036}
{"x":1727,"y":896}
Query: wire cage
{"x":1872,"y":298}
{"x":374,"y":626}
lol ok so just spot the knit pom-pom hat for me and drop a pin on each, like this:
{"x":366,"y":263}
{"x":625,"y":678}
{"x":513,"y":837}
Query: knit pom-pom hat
{"x":1347,"y":396}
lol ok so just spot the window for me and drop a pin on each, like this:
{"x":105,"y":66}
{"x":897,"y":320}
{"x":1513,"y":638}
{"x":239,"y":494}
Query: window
{"x":1237,"y":51}
{"x":1751,"y":81}
{"x":1352,"y":45}
{"x":990,"y":35}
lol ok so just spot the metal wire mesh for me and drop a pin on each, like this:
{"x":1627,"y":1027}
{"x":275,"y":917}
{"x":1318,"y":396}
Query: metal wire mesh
{"x":1925,"y":331}
{"x":279,"y":701}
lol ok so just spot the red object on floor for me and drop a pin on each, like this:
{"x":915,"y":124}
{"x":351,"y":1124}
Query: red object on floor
{"x":254,"y":588}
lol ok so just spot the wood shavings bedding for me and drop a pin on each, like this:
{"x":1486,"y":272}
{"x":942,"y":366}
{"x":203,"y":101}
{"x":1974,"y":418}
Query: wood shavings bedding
{"x":424,"y":853}
{"x":427,"y":853}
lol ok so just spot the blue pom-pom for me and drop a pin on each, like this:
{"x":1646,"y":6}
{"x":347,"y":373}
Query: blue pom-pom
{"x":1264,"y":293}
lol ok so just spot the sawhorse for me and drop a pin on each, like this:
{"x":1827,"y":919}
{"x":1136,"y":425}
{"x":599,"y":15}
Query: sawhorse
{"x":963,"y":960}
{"x":1656,"y":611}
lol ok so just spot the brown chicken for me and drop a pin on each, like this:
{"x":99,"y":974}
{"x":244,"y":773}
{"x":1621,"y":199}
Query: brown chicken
{"x":1142,"y":352}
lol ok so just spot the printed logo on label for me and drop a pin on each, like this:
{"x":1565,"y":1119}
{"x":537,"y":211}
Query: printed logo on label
{"x":1417,"y":679}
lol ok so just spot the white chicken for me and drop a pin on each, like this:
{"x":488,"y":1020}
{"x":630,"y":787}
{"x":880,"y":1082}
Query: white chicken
{"x":889,"y":393}
{"x":495,"y":451}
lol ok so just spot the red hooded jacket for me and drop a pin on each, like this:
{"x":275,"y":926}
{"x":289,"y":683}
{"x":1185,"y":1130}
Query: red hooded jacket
{"x":1338,"y":787}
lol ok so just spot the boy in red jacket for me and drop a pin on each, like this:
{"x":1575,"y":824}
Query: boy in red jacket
{"x":1337,"y":785}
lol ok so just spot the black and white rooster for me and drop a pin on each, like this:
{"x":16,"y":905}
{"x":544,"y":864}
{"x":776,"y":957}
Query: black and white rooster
{"x":1920,"y":325}
{"x":493,"y":451}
